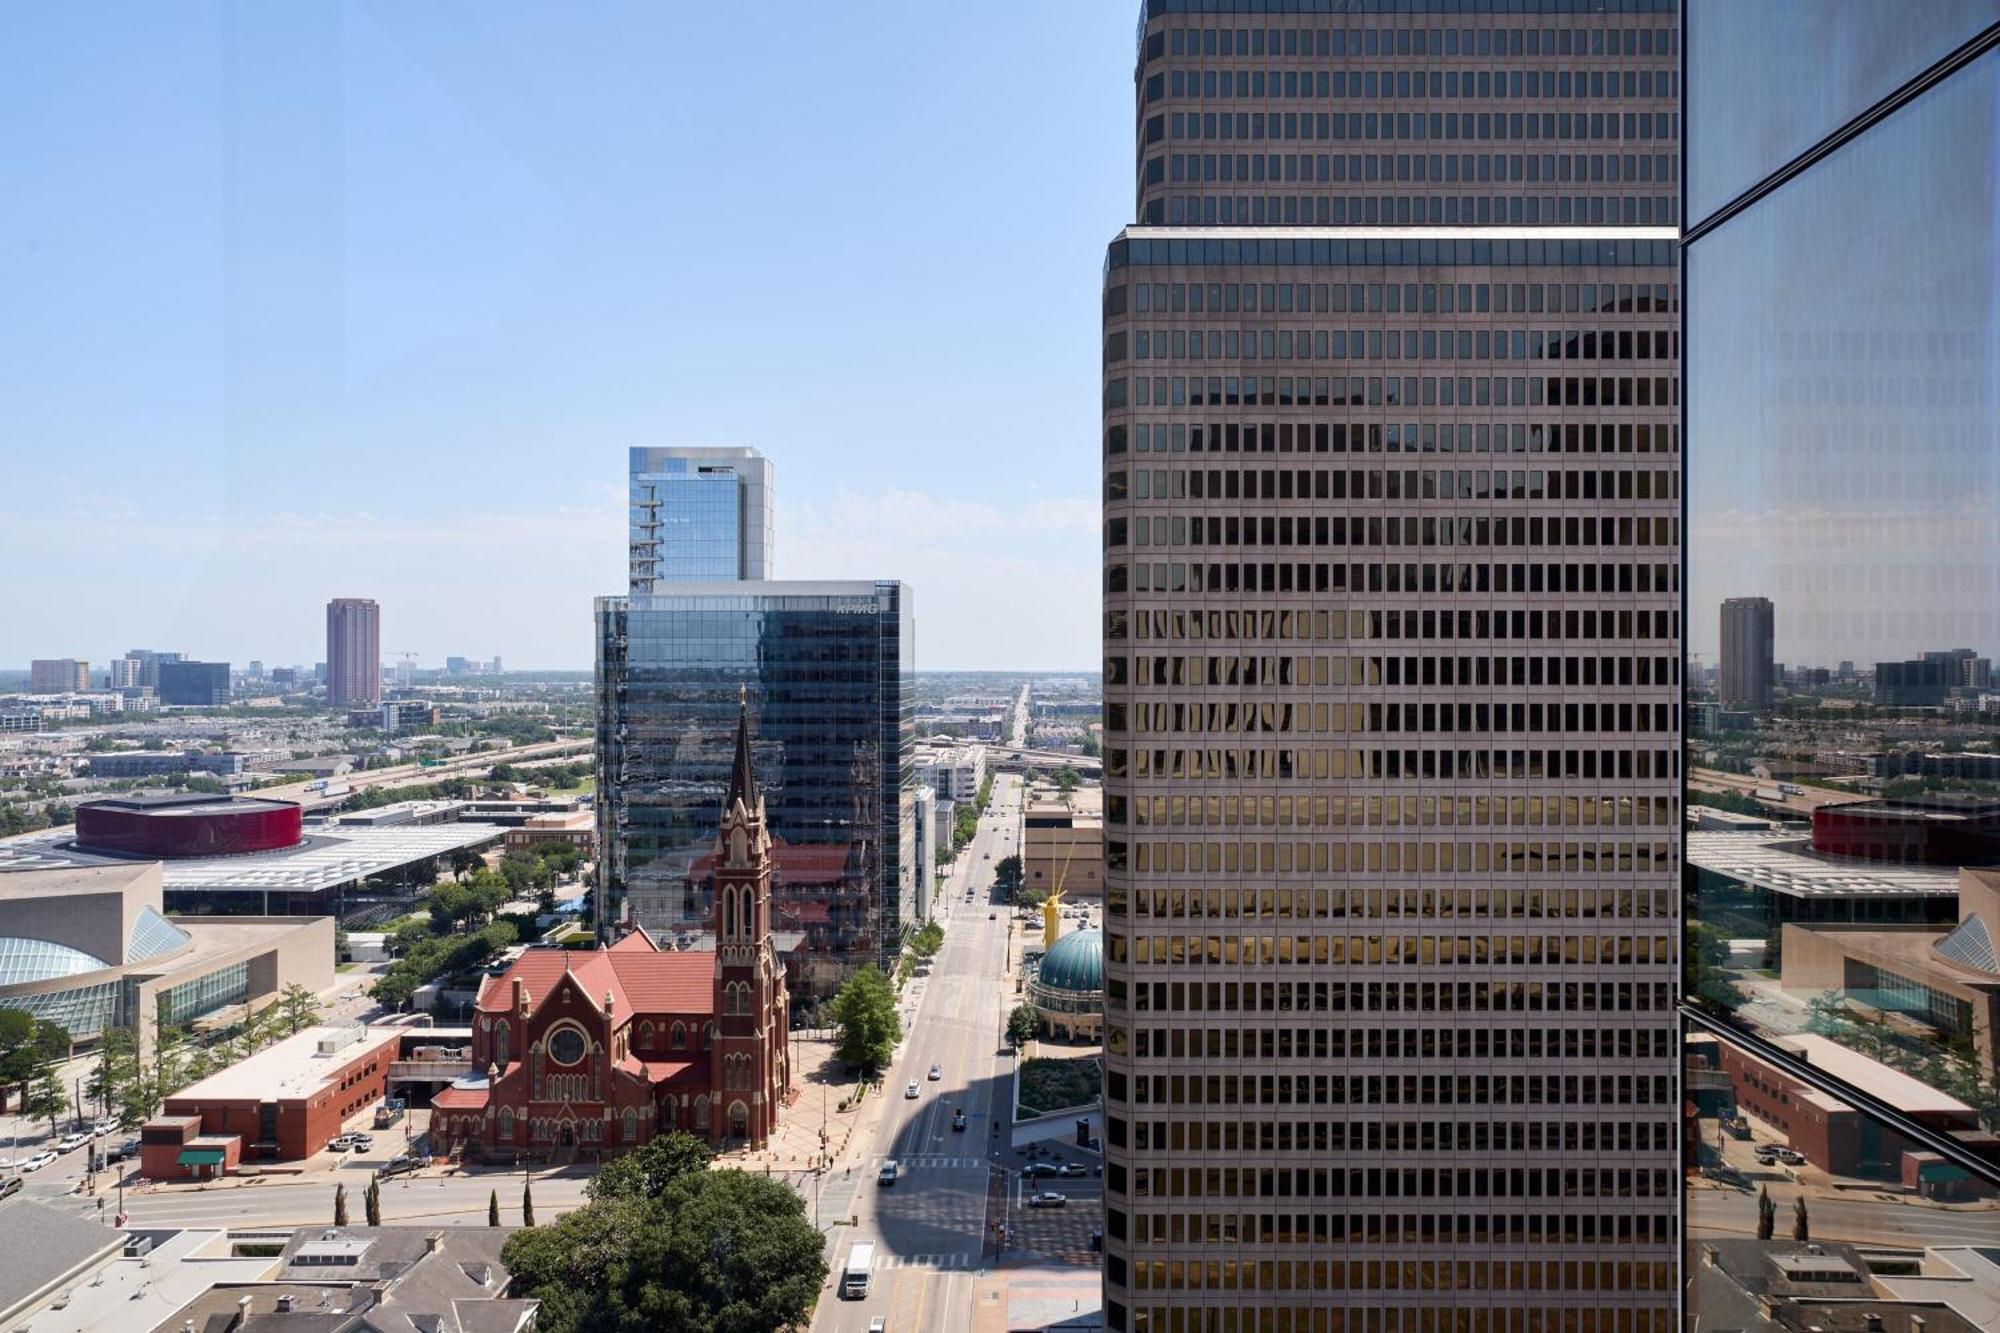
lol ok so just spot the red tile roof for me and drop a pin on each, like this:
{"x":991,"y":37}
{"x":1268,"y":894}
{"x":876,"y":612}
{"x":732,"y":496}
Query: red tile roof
{"x":655,"y":1071}
{"x":640,"y":977}
{"x":460,"y":1099}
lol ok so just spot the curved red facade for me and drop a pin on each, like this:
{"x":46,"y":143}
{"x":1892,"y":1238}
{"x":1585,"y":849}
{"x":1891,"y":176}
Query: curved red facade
{"x":182,"y":829}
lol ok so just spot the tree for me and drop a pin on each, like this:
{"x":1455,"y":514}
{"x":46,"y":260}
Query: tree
{"x":865,"y":1014}
{"x":1767,"y":1214}
{"x":493,"y":1208}
{"x":1068,"y":780}
{"x":646,"y":1171}
{"x":27,"y":1046}
{"x":1801,"y":1229}
{"x":299,"y":1006}
{"x":928,"y":940}
{"x":371,"y":1203}
{"x":527,"y":1203}
{"x":1007,"y":870}
{"x":1021,"y":1024}
{"x":46,"y":1097}
{"x":716,"y":1252}
{"x":340,"y":1205}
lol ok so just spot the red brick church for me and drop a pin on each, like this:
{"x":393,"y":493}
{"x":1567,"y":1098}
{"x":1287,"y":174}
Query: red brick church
{"x":577,"y":1053}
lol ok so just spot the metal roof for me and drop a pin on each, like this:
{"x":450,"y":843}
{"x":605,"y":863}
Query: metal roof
{"x":1785,"y":863}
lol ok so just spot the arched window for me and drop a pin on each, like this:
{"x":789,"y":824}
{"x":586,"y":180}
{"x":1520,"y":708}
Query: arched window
{"x":646,"y":1035}
{"x":708,"y":1036}
{"x":500,"y":1043}
{"x":739,"y":1120}
{"x":728,"y":912}
{"x":631,"y":1125}
{"x":506,"y":1122}
{"x":701,"y":1113}
{"x":680,"y":1035}
{"x":670,"y":1112}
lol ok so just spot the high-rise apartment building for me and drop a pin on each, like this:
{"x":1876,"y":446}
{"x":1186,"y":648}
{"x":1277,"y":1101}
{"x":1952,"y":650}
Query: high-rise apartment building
{"x":58,"y":675}
{"x":1743,"y":677}
{"x":149,"y":661}
{"x":700,"y":515}
{"x":122,"y":673}
{"x":354,"y":652}
{"x":1392,"y":648}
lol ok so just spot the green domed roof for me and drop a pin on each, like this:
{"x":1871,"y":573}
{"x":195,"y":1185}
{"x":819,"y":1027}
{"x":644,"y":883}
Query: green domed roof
{"x":1076,"y":963}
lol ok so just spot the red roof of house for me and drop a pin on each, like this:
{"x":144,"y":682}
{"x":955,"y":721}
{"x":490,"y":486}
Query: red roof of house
{"x":460,"y":1099}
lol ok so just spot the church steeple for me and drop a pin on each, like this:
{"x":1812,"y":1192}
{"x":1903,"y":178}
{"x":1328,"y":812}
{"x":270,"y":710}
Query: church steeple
{"x":742,"y":778}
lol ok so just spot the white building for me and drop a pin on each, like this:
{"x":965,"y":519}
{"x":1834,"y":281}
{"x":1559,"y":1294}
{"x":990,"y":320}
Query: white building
{"x":954,"y":772}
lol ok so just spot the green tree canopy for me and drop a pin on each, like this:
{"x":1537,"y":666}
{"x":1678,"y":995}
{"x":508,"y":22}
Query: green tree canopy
{"x":645,"y":1172}
{"x":1021,"y":1024}
{"x":716,"y":1252}
{"x":865,"y":1014}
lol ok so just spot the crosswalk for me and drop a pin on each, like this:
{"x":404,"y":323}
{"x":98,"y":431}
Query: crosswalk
{"x":886,"y":1261}
{"x":935,"y":1161}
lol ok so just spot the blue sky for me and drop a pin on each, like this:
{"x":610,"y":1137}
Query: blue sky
{"x":308,"y":301}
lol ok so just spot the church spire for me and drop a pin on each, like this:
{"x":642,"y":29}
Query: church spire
{"x":742,"y":780}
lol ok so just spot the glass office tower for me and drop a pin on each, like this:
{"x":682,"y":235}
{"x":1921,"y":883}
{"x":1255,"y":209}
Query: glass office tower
{"x":1392,"y":646}
{"x":700,"y":515}
{"x":1843,"y":429}
{"x":828,"y":671}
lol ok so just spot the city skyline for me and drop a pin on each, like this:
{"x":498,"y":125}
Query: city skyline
{"x":365,"y":249}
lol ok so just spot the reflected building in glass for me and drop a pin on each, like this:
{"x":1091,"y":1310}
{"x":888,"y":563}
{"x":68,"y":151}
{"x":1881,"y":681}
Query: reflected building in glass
{"x":700,"y":515}
{"x":1842,"y":270}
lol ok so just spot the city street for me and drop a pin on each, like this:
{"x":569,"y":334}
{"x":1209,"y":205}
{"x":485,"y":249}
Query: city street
{"x":933,"y":1228}
{"x":1864,"y":1218}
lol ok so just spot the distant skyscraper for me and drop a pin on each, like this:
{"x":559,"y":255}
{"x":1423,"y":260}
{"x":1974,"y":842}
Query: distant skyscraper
{"x":1748,"y":644}
{"x":700,"y":516}
{"x":354,"y":652}
{"x":58,"y":675}
{"x":195,"y":684}
{"x":123,"y":673}
{"x":1391,"y":652}
{"x":149,"y":661}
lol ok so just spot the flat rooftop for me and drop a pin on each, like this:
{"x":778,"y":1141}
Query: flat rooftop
{"x":189,"y":803}
{"x":294,"y":1068}
{"x":1785,"y":863}
{"x":331,"y":855}
{"x":1906,"y":1094}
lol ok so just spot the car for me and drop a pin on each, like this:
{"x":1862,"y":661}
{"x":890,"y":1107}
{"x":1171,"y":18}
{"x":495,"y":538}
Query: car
{"x":105,"y":1127}
{"x":71,"y":1142}
{"x":1034,"y":1169}
{"x":887,"y":1175}
{"x":402,"y":1166}
{"x":958,"y":1121}
{"x":1047,"y":1199}
{"x":937,"y":1072}
{"x":910,"y":1092}
{"x":11,"y":1185}
{"x":1072,"y":1169}
{"x":39,"y":1160}
{"x":360,"y":1142}
{"x":990,"y":916}
{"x":879,"y":1324}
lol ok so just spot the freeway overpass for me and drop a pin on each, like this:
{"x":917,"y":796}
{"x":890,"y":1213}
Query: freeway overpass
{"x":1019,"y":758}
{"x":403,"y":775}
{"x":1740,"y":784}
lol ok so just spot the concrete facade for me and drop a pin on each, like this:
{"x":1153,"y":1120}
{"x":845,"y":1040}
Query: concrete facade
{"x":1743,"y":678}
{"x":354,"y":652}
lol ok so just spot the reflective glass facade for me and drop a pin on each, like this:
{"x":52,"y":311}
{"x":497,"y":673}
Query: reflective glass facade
{"x":204,"y":995}
{"x":699,"y":515}
{"x":1843,"y":434}
{"x":827,"y":669}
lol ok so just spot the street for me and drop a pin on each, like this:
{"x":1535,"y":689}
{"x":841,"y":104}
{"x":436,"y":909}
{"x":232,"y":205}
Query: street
{"x":933,"y":1228}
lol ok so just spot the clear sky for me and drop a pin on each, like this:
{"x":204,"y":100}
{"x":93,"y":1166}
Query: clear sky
{"x":312,"y":300}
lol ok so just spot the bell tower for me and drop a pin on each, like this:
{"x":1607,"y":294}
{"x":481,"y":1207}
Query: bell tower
{"x":749,"y":1073}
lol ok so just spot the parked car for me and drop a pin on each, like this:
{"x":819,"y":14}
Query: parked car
{"x":1072,"y":1169}
{"x":71,"y":1142}
{"x":11,"y":1185}
{"x":402,"y":1166}
{"x":358,"y":1142}
{"x":1035,"y":1169}
{"x":39,"y":1160}
{"x":887,"y":1175}
{"x":910,"y":1093}
{"x":1047,"y":1199}
{"x":105,"y":1127}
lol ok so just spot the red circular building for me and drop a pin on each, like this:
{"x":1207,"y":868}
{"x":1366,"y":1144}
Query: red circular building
{"x":174,"y":827}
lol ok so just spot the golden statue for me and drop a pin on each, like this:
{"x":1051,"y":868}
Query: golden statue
{"x":1052,"y":918}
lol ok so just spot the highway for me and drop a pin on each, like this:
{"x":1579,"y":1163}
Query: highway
{"x":408,"y":774}
{"x":1711,"y":779}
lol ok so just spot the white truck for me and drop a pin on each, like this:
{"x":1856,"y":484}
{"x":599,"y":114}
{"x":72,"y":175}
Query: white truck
{"x":854,"y":1274}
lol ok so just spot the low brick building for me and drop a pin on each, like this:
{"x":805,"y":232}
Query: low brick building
{"x":287,"y":1101}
